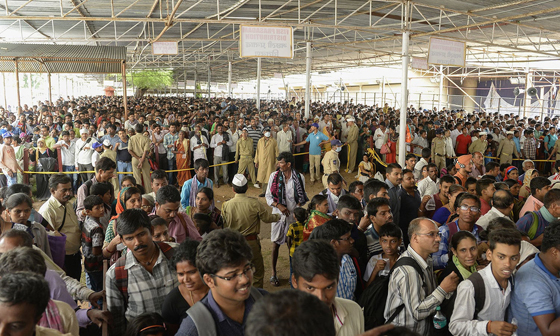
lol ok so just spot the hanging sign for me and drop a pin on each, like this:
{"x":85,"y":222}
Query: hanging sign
{"x":266,"y":41}
{"x":447,"y":52}
{"x":165,"y":48}
{"x":420,"y":63}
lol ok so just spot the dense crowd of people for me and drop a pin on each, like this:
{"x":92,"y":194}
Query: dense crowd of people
{"x":462,"y":240}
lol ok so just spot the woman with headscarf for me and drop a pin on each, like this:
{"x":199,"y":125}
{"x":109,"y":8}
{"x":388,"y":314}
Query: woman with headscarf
{"x":182,"y":155}
{"x":525,"y":190}
{"x":128,"y":198}
{"x":511,"y":173}
{"x":45,"y":161}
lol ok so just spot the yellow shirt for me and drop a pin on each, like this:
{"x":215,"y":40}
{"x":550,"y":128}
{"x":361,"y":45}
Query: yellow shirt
{"x":53,"y":211}
{"x":139,"y":144}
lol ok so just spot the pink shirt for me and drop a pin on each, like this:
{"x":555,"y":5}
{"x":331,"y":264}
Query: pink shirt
{"x":531,"y":204}
{"x":177,"y":231}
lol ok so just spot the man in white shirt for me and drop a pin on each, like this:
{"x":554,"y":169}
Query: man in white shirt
{"x":199,"y":144}
{"x":68,"y":150}
{"x":502,"y":202}
{"x":284,"y":138}
{"x":83,"y":153}
{"x":428,"y":185}
{"x":426,"y":154}
{"x":495,"y":281}
{"x":420,"y":142}
{"x":218,"y":141}
{"x":379,"y":136}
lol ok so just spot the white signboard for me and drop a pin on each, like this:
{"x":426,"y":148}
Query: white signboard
{"x":277,"y":75}
{"x":446,"y":52}
{"x":190,"y":82}
{"x":165,"y":48}
{"x":214,"y":84}
{"x":222,"y":87}
{"x":234,"y":86}
{"x":272,"y":42}
{"x":420,"y":63}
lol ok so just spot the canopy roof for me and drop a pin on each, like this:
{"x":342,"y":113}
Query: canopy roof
{"x":50,"y":58}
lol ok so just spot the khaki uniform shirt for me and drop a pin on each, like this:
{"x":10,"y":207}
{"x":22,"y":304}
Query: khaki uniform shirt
{"x":438,"y":147}
{"x":507,"y":147}
{"x":557,"y":146}
{"x":478,"y":146}
{"x":330,"y":162}
{"x":111,"y":154}
{"x":139,"y":144}
{"x":244,"y":147}
{"x":53,"y":211}
{"x":244,"y":214}
{"x":353,"y":134}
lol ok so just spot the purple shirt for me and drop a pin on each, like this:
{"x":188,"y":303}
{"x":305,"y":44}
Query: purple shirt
{"x":59,"y":292}
{"x":177,"y":231}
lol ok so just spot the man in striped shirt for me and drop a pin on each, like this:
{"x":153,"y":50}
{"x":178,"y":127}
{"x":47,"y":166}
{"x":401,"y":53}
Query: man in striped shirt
{"x":255,"y":133}
{"x":412,"y":292}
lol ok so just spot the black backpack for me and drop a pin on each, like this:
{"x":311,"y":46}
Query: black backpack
{"x":373,"y":299}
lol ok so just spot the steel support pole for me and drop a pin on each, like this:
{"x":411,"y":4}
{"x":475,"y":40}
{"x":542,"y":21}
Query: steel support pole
{"x":229,"y":79}
{"x":259,"y":84}
{"x":404,"y":87}
{"x":50,"y":87}
{"x":17,"y":86}
{"x":440,"y":86}
{"x":125,"y":102}
{"x":4,"y":87}
{"x":195,"y":83}
{"x":209,"y":78}
{"x":307,"y":78}
{"x":185,"y":83}
{"x":383,"y":92}
{"x":527,"y":100}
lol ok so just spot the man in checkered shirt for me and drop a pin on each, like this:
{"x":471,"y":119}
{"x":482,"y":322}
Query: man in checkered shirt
{"x":150,"y":275}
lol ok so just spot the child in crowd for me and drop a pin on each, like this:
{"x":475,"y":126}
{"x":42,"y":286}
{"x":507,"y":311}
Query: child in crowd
{"x":97,"y":151}
{"x":203,"y":223}
{"x":105,"y":191}
{"x":92,"y":241}
{"x":161,"y":232}
{"x":295,"y":233}
{"x":390,"y":238}
{"x":317,"y":212}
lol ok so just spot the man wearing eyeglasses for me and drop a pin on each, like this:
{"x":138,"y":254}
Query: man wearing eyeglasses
{"x":224,"y":262}
{"x":469,"y":212}
{"x":413,"y":297}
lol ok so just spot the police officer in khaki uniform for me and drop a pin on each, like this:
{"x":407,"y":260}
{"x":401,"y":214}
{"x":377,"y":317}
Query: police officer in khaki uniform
{"x":352,"y":140}
{"x":139,"y":148}
{"x":438,"y":149}
{"x":244,"y":214}
{"x":555,"y":149}
{"x":479,"y":145}
{"x":507,"y":149}
{"x":331,"y":162}
{"x":244,"y":155}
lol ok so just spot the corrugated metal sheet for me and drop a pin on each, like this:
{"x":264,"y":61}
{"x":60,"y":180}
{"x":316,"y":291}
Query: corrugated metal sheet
{"x":61,"y":58}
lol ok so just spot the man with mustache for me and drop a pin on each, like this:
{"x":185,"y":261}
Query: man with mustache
{"x":58,"y":211}
{"x":141,"y":279}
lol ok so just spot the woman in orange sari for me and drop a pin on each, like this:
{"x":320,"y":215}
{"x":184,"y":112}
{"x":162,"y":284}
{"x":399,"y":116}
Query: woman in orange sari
{"x":183,"y":157}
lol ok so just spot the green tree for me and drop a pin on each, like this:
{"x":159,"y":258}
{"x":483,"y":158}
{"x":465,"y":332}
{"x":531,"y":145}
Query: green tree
{"x":149,"y":80}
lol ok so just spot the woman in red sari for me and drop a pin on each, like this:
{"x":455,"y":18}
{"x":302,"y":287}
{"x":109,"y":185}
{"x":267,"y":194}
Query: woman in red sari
{"x":183,"y":157}
{"x":391,"y":157}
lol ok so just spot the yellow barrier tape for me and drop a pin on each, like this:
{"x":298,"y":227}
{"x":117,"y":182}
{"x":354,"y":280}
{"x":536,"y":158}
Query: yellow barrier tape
{"x":130,"y":173}
{"x":376,"y":157}
{"x":496,"y":158}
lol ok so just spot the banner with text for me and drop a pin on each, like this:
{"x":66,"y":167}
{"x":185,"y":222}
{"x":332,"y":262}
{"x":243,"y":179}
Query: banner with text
{"x":271,"y":42}
{"x":165,"y":48}
{"x":447,"y":52}
{"x":420,"y":63}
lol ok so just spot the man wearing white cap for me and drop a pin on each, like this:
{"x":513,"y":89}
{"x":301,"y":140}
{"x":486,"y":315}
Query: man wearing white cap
{"x":244,"y":214}
{"x":352,"y":140}
{"x":507,"y":149}
{"x":83,"y":154}
{"x":479,"y":145}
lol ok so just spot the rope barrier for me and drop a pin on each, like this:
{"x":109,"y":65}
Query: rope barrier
{"x":376,"y":157}
{"x":130,"y":173}
{"x":496,"y":158}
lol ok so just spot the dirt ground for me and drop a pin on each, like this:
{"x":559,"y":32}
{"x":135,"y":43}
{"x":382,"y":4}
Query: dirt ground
{"x":225,"y":193}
